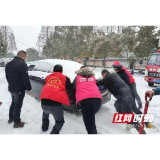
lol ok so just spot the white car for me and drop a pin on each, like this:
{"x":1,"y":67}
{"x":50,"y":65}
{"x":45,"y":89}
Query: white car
{"x":4,"y":61}
{"x":42,"y":68}
{"x":31,"y":65}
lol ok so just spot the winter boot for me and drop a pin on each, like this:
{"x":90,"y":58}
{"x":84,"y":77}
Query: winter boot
{"x":57,"y":127}
{"x":10,"y":120}
{"x":54,"y":131}
{"x":45,"y":124}
{"x":0,"y":103}
{"x":18,"y":125}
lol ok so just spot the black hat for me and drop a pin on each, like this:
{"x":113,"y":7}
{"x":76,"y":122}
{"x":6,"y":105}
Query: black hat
{"x":58,"y":68}
{"x":117,"y":67}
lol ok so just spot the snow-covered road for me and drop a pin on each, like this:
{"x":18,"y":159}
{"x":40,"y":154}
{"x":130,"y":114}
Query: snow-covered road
{"x":32,"y":114}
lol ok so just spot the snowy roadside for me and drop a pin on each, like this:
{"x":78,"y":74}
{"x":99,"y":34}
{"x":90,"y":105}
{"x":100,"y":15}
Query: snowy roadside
{"x":32,"y":114}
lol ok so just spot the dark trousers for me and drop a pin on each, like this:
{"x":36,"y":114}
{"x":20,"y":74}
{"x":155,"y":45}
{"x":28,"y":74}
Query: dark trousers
{"x":135,"y":94}
{"x":57,"y":113}
{"x":134,"y":106}
{"x":89,"y":109}
{"x":125,"y":105}
{"x":16,"y":105}
{"x":137,"y":110}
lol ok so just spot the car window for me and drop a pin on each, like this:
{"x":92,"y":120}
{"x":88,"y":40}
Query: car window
{"x":44,"y":67}
{"x":31,"y":68}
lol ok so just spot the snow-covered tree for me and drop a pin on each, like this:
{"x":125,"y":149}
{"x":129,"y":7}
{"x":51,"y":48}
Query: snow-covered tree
{"x":46,"y":32}
{"x":3,"y":46}
{"x":9,"y":38}
{"x":94,"y":41}
{"x":147,"y":39}
{"x":33,"y":54}
{"x":11,"y":43}
{"x":109,"y":29}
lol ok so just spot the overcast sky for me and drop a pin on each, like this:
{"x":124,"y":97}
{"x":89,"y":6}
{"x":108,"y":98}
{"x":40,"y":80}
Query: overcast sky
{"x":26,"y":36}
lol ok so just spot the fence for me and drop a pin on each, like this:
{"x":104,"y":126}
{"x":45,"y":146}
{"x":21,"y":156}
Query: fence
{"x":109,"y":62}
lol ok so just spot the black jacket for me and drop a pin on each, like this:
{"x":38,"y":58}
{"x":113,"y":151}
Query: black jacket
{"x":17,"y":75}
{"x":115,"y":85}
{"x":124,"y":76}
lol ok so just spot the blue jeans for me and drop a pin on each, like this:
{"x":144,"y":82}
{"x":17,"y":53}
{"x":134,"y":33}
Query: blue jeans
{"x":16,"y":105}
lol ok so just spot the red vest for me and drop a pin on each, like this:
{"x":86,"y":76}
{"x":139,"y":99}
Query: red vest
{"x":131,"y":79}
{"x":55,"y":88}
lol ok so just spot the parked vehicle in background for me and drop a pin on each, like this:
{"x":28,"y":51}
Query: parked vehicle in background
{"x":152,"y":71}
{"x":4,"y":61}
{"x":42,"y":68}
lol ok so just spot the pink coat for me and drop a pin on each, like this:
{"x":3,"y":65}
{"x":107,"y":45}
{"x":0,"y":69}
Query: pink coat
{"x":86,"y":89}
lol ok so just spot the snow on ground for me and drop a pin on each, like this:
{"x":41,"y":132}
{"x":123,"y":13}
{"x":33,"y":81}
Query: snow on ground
{"x":32,"y":113}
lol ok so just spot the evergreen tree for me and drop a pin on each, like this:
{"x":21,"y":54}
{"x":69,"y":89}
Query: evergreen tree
{"x":33,"y":54}
{"x":3,"y":46}
{"x":146,"y":41}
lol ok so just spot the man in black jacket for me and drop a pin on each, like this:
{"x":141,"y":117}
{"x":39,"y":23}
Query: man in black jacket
{"x":18,"y":80}
{"x":124,"y":76}
{"x":121,"y":92}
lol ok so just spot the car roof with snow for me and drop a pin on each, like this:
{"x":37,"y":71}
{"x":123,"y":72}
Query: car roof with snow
{"x":31,"y":63}
{"x":45,"y":67}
